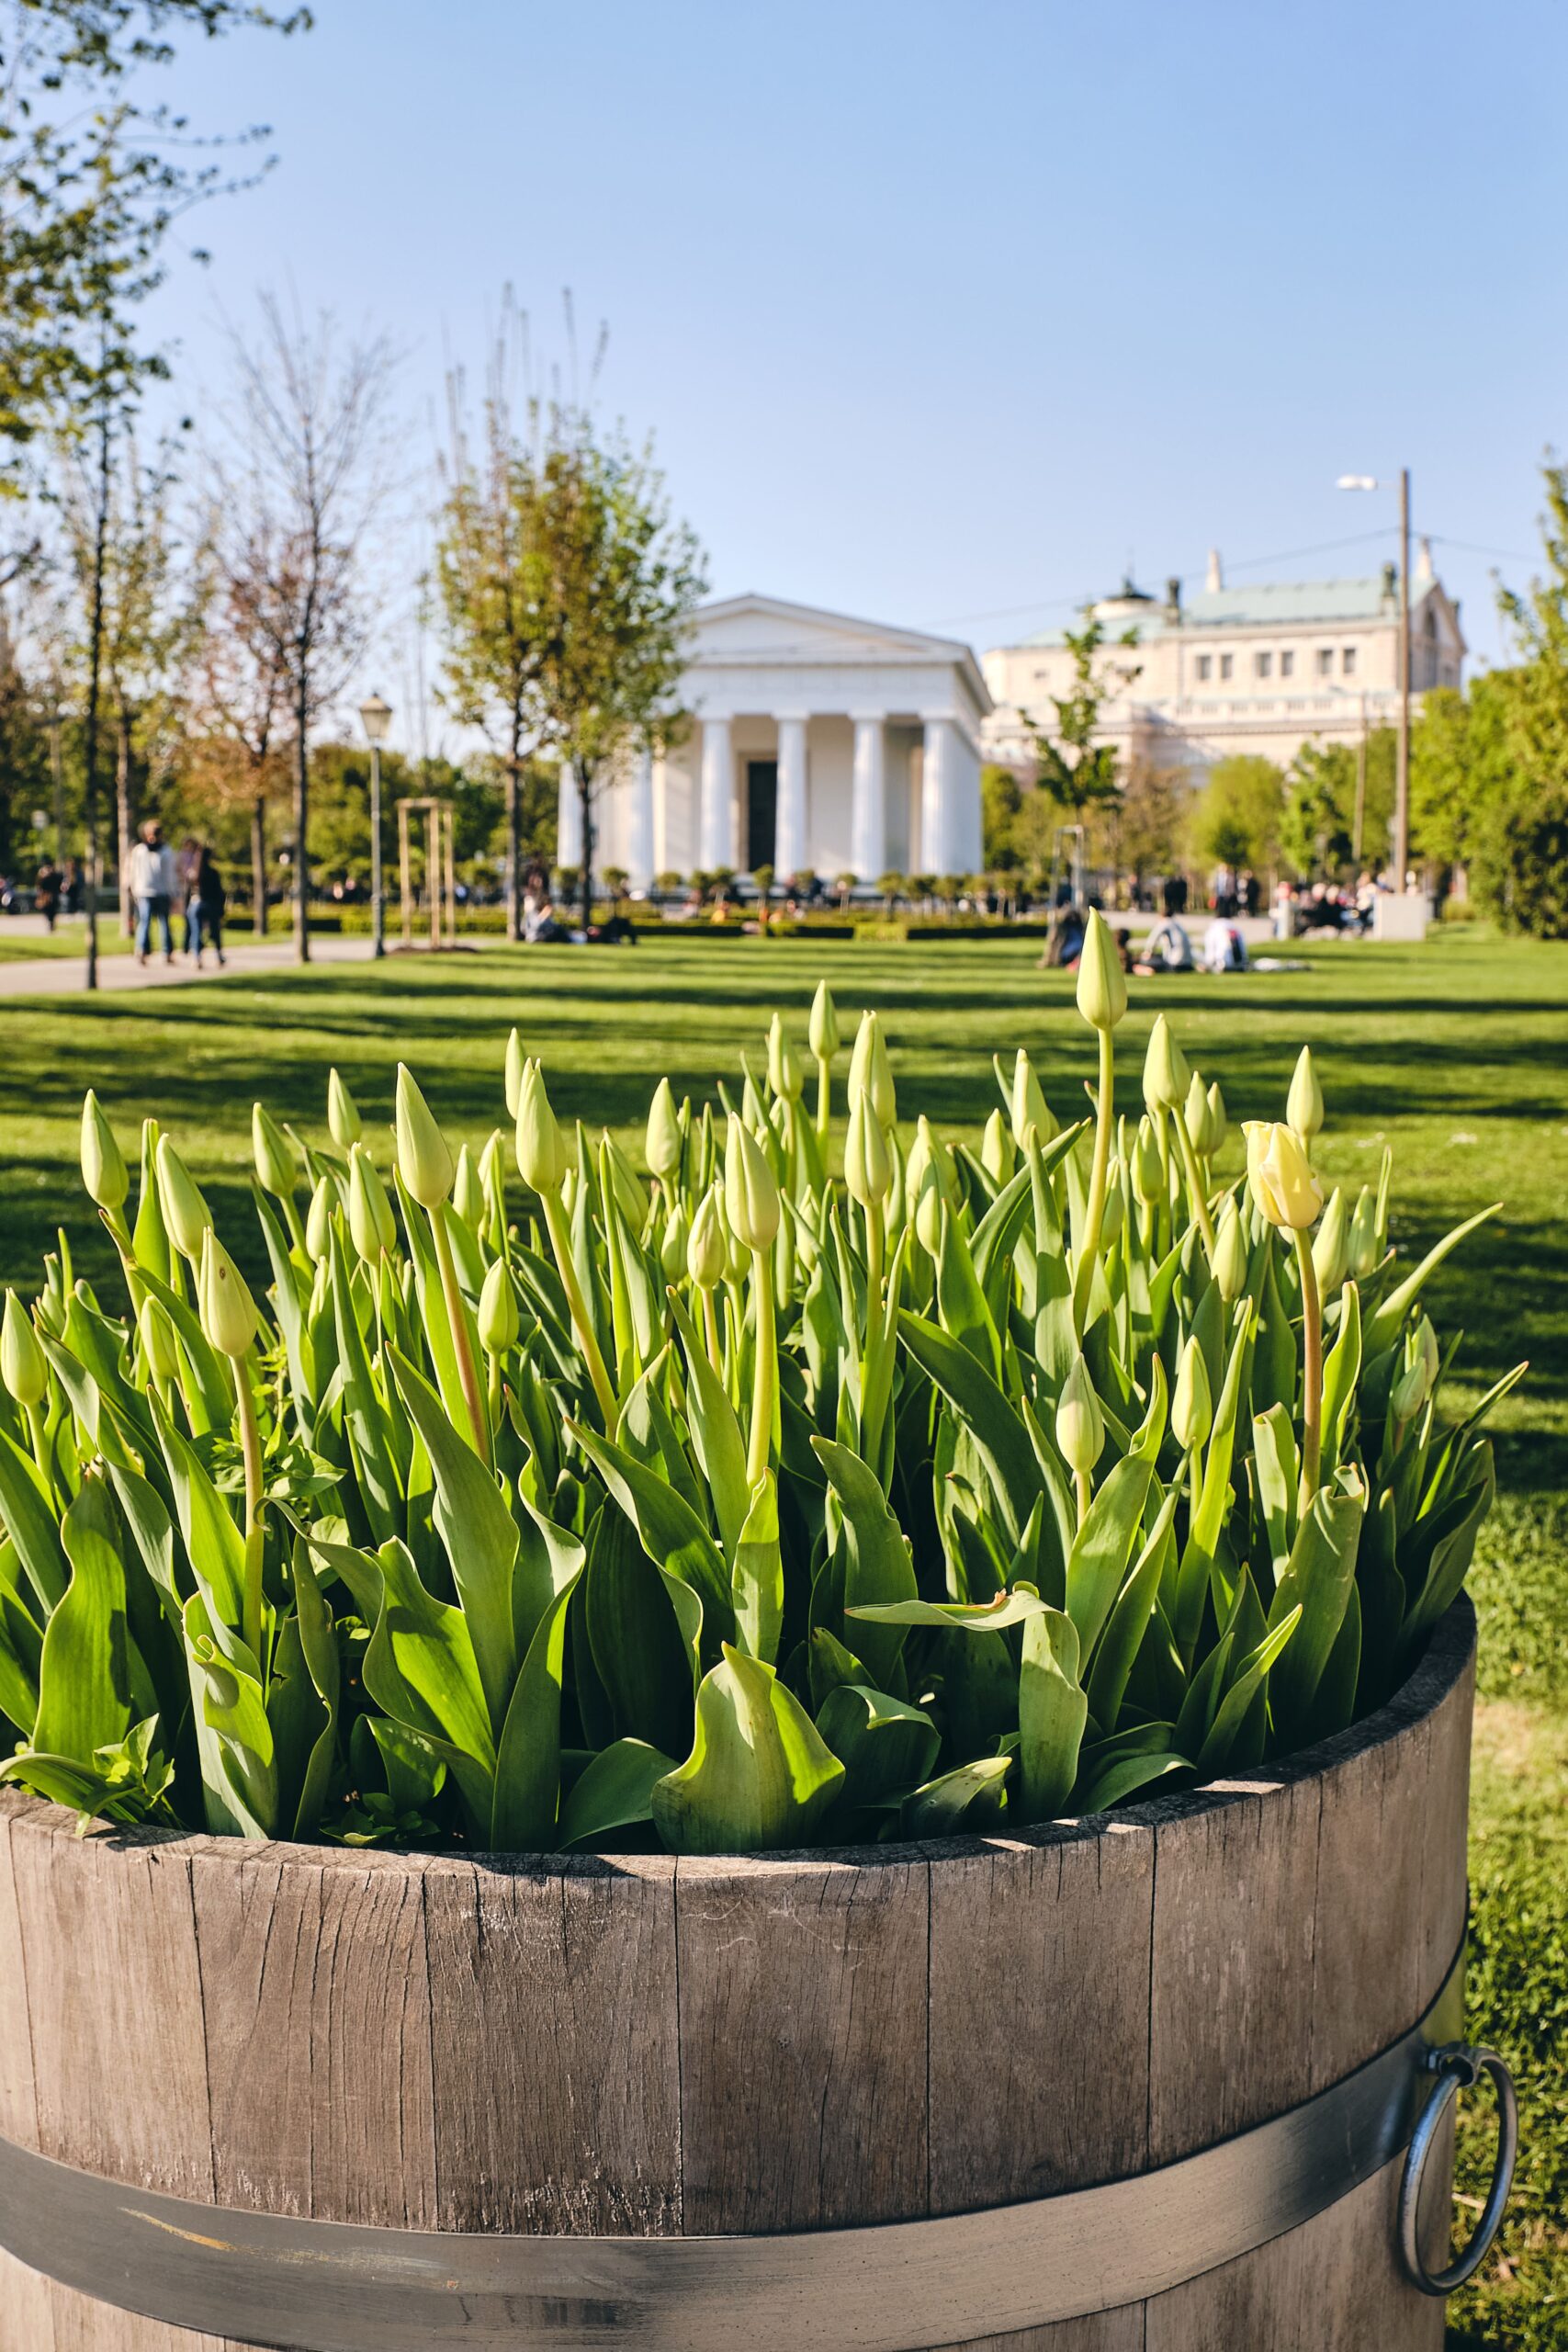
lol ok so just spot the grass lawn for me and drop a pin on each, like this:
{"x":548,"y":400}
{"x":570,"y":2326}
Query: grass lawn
{"x":1456,"y":1053}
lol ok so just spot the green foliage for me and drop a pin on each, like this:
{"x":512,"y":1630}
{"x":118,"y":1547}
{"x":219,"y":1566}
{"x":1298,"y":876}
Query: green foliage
{"x":888,"y":1530}
{"x":1237,"y":818}
{"x":1077,"y":773}
{"x":1317,"y":828}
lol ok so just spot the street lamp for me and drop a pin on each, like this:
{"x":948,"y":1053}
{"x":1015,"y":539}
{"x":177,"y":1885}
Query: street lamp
{"x":1400,"y":859}
{"x":375,"y":717}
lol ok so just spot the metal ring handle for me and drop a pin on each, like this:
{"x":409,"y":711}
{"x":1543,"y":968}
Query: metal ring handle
{"x":1458,"y":2066}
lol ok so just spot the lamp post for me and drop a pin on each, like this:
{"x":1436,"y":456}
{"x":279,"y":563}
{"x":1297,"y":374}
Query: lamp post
{"x":375,"y":717}
{"x":1400,"y":853}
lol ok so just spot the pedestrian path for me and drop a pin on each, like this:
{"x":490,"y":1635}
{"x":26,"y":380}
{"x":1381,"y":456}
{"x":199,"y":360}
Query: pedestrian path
{"x":64,"y":975}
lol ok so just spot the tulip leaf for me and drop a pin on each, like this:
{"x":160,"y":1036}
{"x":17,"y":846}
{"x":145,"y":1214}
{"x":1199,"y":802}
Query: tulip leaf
{"x":646,"y":1659}
{"x":878,"y":1567}
{"x":1317,"y":1580}
{"x":1245,"y":1685}
{"x":85,"y":1677}
{"x":1122,"y":1638}
{"x":1435,"y":1557}
{"x":27,"y":1510}
{"x":716,"y":1433}
{"x":1126,"y":1776}
{"x":987,"y":1415}
{"x":227,"y":1694}
{"x":672,"y":1535}
{"x":365,"y":1417}
{"x":477,"y":1532}
{"x":884,"y":1745}
{"x":759,"y":1775}
{"x":214,"y":1546}
{"x":613,"y":1792}
{"x":528,"y":1765}
{"x":971,"y":1797}
{"x":1383,"y":1325}
{"x":992,"y":1616}
{"x":961,"y":1302}
{"x":1103,"y":1546}
{"x":1340,"y":1373}
{"x":1277,"y":1469}
{"x":1052,"y":1712}
{"x":758,"y":1578}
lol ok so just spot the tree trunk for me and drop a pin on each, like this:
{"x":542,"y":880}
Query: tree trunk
{"x":258,"y":866}
{"x":585,"y":802}
{"x":94,"y":676}
{"x":124,"y":820}
{"x":301,"y":823}
{"x":514,"y":845}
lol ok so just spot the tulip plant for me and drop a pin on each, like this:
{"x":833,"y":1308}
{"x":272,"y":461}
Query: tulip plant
{"x":729,"y":1503}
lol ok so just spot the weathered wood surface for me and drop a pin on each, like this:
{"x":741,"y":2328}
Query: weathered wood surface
{"x":641,"y":2047}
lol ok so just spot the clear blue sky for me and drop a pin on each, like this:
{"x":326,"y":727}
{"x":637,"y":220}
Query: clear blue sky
{"x":943,"y":313}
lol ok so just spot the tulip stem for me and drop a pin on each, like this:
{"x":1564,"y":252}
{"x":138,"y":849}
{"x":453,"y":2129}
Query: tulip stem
{"x":296,"y":1229}
{"x":873,"y":1257}
{"x":710,"y":1330}
{"x":1194,"y":1181}
{"x":37,"y":1428}
{"x":1162,"y":1214}
{"x":824,"y":1095}
{"x":593,"y":1355}
{"x":765,"y":1371}
{"x":1312,"y":1377}
{"x":467,"y":1373}
{"x":1094,"y":1219}
{"x":255,"y":1540}
{"x":1081,"y":1483}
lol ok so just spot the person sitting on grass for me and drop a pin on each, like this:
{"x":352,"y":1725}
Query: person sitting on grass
{"x":1167,"y":948}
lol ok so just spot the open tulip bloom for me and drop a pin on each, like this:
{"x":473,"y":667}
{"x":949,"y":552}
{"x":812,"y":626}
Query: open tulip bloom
{"x":733,"y":1505}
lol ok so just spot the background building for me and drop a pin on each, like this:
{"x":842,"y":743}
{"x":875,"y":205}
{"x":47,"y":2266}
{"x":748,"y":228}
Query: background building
{"x":1261,"y":669}
{"x":818,"y":744}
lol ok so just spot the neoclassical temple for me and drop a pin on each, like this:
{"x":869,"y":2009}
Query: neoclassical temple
{"x":815,"y":744}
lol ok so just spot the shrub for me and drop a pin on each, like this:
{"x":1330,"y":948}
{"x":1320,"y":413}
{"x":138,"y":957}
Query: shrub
{"x":732,"y":1503}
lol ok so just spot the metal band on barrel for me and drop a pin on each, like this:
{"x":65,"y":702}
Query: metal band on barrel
{"x":337,"y":2287}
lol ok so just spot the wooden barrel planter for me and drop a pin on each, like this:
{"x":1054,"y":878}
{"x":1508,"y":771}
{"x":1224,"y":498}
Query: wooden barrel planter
{"x":878,"y":2078}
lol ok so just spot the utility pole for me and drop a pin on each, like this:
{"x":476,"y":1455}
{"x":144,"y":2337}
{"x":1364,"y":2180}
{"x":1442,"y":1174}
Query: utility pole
{"x":1402,"y":771}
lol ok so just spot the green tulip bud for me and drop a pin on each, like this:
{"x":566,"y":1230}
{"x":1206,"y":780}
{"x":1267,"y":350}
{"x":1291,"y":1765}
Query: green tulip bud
{"x":1303,"y":1106}
{"x":822,"y":1032}
{"x":23,"y":1366}
{"x":1231,"y":1253}
{"x":371,"y":1225}
{"x":424,"y":1160}
{"x":870,"y":1072}
{"x":1415,"y":1381}
{"x":1029,"y":1106}
{"x":160,"y":1343}
{"x":498,"y":1321}
{"x":104,"y":1172}
{"x":1195,"y":1111}
{"x":663,"y":1141}
{"x":277,"y":1163}
{"x":707,"y":1252}
{"x":1165,"y":1069}
{"x":928,"y":1207}
{"x":1080,"y":1425}
{"x":1219,"y":1123}
{"x":186,"y":1212}
{"x":1280,"y":1175}
{"x":1148,"y":1169}
{"x":750,"y":1195}
{"x":1102,"y":984}
{"x":1192,"y":1406}
{"x":541,"y":1147}
{"x":1114,"y":1215}
{"x":868,"y":1171}
{"x":468,"y":1192}
{"x":317,"y":1224}
{"x":517,"y":1060}
{"x":673,"y":1244}
{"x":997,"y":1152}
{"x":1331,"y":1245}
{"x":343,"y":1123}
{"x":229,"y":1315}
{"x":784,"y":1073}
{"x":1363,"y":1252}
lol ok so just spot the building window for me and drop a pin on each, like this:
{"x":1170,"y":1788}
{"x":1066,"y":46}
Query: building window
{"x":1325,"y":661}
{"x":1205,"y":668}
{"x":1347,"y":663}
{"x":1287,"y":665}
{"x":1262,"y":664}
{"x":1227,"y":663}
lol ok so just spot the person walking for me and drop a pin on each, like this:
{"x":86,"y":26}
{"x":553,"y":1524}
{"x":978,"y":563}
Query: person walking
{"x":46,"y":891}
{"x":204,"y":905}
{"x":152,"y":886}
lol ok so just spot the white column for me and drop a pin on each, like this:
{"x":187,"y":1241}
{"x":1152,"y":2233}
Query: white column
{"x":868,"y":808}
{"x":934,"y":796}
{"x":716,"y":832}
{"x":662,"y":861}
{"x":568,"y":819}
{"x":790,"y":856}
{"x":639,"y":829}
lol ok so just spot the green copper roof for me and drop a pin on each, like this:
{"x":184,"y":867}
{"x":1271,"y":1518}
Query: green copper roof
{"x":1271,"y":604}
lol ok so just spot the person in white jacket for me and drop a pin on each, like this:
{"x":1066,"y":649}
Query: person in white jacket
{"x":152,"y":886}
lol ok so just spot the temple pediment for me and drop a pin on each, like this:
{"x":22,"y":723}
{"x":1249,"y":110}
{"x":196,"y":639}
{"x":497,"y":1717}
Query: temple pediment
{"x":753,"y":628}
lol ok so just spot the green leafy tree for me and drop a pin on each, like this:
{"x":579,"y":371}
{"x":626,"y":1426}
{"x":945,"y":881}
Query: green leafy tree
{"x":623,"y":579}
{"x":1317,"y":831}
{"x":1461,"y":769}
{"x":1236,"y":820}
{"x":1521,"y":783}
{"x":1079,"y":773}
{"x":1001,"y":803}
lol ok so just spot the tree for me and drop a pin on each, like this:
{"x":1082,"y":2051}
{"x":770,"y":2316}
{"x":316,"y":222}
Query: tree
{"x":296,"y":498}
{"x":1317,"y":833}
{"x":1001,"y":802}
{"x":1144,"y":831}
{"x":1459,"y":767}
{"x":1079,"y":773}
{"x":1519,"y":783}
{"x":1236,"y":820}
{"x":90,"y":185}
{"x":622,"y":581}
{"x":242,"y":681}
